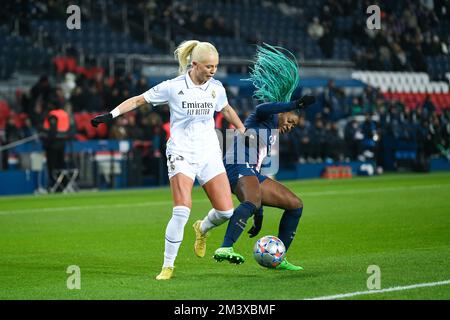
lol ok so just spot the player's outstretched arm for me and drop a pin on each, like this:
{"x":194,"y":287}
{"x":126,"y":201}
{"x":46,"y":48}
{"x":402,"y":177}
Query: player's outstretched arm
{"x":231,"y":116}
{"x":124,"y":107}
{"x":266,"y":109}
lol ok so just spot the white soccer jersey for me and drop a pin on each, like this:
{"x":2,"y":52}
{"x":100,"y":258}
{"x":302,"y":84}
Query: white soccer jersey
{"x":192,"y":108}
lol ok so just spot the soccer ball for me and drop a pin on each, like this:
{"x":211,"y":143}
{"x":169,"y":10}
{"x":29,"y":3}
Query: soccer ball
{"x":269,"y":251}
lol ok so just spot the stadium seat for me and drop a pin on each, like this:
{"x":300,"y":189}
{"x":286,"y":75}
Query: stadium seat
{"x":424,"y":78}
{"x":443,"y":87}
{"x":447,"y":75}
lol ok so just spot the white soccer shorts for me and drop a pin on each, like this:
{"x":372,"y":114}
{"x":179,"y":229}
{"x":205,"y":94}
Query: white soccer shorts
{"x":205,"y":170}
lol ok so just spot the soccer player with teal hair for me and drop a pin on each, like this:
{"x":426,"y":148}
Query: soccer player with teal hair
{"x":275,"y":75}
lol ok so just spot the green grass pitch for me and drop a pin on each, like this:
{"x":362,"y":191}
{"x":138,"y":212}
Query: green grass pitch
{"x":400,"y":223}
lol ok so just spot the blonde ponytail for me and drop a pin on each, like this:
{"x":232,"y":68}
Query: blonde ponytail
{"x":185,"y":53}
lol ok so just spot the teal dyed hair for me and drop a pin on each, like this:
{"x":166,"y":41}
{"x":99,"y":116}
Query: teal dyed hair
{"x":275,"y":74}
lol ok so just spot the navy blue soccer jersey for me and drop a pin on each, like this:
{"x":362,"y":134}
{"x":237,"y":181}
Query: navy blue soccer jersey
{"x":246,"y":156}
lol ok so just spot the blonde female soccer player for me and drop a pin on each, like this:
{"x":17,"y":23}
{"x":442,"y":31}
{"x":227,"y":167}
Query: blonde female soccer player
{"x":193,"y":150}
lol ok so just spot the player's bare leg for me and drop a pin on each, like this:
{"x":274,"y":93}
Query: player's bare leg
{"x":181,"y":188}
{"x":219,"y":193}
{"x":248,"y":189}
{"x":275,"y":194}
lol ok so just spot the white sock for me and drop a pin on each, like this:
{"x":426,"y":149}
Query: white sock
{"x":174,"y":234}
{"x":215,"y":218}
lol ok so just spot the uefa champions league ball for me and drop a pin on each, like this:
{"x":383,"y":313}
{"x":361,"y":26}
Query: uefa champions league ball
{"x":269,"y":251}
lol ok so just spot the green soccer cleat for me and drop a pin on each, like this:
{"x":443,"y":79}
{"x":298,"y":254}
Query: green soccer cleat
{"x":286,"y":265}
{"x":229,"y":255}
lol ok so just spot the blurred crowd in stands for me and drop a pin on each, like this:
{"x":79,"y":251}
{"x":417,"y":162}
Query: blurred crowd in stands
{"x":340,"y":127}
{"x":84,"y":98}
{"x":410,"y":33}
{"x":368,"y":127}
{"x":411,"y":30}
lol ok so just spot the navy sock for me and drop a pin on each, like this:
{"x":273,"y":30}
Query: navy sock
{"x":238,"y":222}
{"x":288,"y":226}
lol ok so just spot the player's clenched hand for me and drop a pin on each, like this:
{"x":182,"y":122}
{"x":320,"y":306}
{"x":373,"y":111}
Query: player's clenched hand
{"x":305,"y":101}
{"x":103,"y":118}
{"x":257,"y":224}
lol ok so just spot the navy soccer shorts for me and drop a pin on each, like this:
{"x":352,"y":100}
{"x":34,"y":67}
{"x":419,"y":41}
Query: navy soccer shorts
{"x":237,"y":171}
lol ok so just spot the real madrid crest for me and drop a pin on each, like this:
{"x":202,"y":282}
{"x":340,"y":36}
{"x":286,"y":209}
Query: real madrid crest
{"x":213,"y":94}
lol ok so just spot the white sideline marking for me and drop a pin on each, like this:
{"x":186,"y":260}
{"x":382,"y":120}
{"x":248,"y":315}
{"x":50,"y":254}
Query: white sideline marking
{"x":357,"y":191}
{"x":359,"y":293}
{"x":93,"y":207}
{"x":168,"y":202}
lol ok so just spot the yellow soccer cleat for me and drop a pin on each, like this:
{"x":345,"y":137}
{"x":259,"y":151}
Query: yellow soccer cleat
{"x":166,"y":273}
{"x":200,"y":240}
